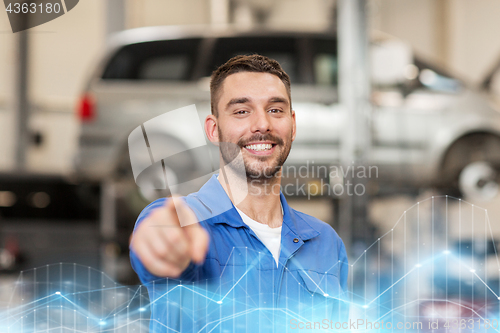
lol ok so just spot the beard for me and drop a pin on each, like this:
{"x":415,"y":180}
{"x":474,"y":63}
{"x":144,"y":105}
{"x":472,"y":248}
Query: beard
{"x":257,"y":170}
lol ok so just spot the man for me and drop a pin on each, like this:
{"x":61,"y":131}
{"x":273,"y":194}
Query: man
{"x":235,"y":255}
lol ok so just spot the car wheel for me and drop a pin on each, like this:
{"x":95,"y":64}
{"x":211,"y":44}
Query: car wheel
{"x":479,"y":180}
{"x":471,"y":167}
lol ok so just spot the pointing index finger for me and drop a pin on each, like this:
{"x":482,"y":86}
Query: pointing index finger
{"x":185,"y":216}
{"x":197,"y":235}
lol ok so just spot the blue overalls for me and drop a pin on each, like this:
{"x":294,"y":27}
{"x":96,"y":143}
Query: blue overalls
{"x":239,"y":287}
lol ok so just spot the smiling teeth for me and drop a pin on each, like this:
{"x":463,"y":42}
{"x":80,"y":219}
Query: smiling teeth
{"x":259,"y":147}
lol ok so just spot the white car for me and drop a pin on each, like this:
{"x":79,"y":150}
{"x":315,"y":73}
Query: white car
{"x":428,"y":130}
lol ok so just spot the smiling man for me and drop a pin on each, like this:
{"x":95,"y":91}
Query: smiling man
{"x":257,"y":262}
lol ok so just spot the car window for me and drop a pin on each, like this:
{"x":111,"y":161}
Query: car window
{"x":170,"y":67}
{"x":325,"y":61}
{"x":170,"y":60}
{"x":435,"y":79}
{"x":282,"y":49}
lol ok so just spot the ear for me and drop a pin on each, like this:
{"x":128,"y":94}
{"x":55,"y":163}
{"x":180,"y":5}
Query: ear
{"x":294,"y":124}
{"x":211,"y":129}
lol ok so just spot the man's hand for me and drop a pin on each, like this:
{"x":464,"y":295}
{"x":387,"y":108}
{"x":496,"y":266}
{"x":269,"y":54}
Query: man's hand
{"x":163,"y":246}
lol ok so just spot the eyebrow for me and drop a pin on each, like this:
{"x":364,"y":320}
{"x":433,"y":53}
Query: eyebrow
{"x":279,"y":100}
{"x":243,"y":100}
{"x":238,"y":100}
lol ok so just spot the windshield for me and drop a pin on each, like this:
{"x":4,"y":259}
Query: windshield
{"x":433,"y":78}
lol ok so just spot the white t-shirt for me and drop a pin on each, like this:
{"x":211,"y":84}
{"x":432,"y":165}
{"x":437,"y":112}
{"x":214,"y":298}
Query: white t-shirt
{"x":271,"y":237}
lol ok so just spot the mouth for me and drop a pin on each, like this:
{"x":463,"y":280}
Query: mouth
{"x":260,"y":148}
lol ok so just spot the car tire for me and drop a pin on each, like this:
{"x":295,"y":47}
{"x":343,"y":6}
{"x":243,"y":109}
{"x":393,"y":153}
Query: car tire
{"x":472,"y":167}
{"x":479,"y":181}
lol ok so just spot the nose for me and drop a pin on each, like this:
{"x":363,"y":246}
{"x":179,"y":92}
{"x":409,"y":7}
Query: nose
{"x":261,"y":122}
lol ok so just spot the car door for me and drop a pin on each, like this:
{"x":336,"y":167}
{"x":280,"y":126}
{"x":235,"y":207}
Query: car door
{"x":139,"y":81}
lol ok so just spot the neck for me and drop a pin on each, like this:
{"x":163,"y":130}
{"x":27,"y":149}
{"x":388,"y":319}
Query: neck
{"x":259,"y":200}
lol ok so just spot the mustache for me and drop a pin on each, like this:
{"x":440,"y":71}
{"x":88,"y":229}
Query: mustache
{"x":260,"y":137}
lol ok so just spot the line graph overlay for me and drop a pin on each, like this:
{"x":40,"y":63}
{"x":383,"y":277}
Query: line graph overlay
{"x":438,"y":263}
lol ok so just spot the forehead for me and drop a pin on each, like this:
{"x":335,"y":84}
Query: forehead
{"x":252,"y":84}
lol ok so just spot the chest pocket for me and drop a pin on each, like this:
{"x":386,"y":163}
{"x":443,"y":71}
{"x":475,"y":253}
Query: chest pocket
{"x":327,"y":285}
{"x":322,"y":296}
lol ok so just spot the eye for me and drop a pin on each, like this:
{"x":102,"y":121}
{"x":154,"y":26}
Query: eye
{"x":275,"y":111}
{"x":240,"y":112}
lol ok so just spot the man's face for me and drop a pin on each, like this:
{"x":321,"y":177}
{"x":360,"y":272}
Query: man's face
{"x":254,"y":114}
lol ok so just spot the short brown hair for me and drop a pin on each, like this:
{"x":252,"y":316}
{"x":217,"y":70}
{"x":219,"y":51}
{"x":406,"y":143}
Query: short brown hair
{"x":245,"y":63}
